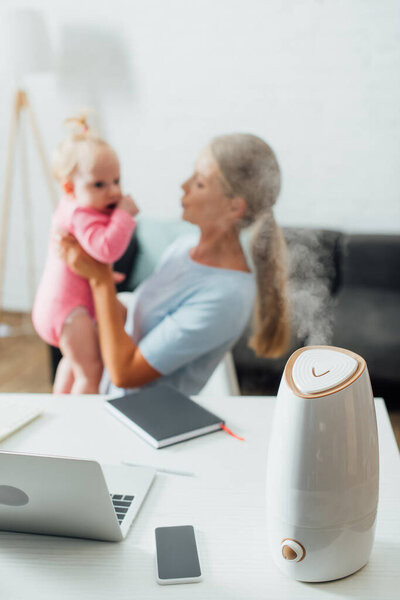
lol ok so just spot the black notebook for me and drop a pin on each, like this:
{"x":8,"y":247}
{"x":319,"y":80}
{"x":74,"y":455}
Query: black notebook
{"x":163,"y":416}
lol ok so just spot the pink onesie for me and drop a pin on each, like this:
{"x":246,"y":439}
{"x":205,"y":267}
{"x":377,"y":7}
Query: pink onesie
{"x":105,"y":236}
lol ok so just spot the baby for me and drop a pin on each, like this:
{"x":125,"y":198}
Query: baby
{"x":94,"y":210}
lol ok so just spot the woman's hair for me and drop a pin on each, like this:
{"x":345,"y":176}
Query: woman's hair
{"x":81,"y":144}
{"x":249,"y":169}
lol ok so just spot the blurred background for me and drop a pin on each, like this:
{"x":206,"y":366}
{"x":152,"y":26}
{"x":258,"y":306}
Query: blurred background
{"x":318,"y":79}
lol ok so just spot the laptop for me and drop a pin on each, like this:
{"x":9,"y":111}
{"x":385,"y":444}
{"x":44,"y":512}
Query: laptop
{"x":74,"y":497}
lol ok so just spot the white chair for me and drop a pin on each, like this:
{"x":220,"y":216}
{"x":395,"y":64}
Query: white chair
{"x":223,"y":382}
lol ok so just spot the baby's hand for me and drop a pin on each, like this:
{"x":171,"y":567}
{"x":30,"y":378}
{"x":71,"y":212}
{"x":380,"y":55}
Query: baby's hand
{"x":127,"y":203}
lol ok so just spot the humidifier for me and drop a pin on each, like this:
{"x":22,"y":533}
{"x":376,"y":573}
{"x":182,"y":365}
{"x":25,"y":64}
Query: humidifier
{"x":323,"y":473}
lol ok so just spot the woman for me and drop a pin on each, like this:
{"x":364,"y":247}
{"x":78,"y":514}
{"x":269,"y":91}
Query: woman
{"x":185,"y":316}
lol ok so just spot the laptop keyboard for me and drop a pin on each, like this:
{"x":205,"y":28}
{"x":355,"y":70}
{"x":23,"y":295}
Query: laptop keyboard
{"x":121,"y":505}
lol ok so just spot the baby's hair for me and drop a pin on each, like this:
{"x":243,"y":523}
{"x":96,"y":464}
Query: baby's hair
{"x":81,"y":143}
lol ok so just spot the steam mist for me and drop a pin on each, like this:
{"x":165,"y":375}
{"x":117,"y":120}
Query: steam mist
{"x":311,"y":272}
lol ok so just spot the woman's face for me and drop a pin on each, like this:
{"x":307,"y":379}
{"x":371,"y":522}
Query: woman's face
{"x":204,"y":201}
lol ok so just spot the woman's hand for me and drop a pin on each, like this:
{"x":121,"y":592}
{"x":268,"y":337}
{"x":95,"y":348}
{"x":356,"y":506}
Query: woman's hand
{"x":69,"y":250}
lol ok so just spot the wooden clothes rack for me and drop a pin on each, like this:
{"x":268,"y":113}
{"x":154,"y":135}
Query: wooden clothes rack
{"x":22,"y":113}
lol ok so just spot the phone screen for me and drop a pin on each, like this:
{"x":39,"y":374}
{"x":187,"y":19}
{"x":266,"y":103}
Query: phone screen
{"x":177,"y":556}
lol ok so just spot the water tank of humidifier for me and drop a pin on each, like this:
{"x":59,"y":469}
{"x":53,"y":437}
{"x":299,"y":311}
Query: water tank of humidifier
{"x":323,"y":473}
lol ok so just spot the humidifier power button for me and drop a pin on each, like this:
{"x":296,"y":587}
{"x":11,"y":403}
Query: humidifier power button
{"x":292,"y":550}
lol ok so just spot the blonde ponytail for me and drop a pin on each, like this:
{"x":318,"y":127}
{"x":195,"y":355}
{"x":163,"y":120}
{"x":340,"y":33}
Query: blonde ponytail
{"x":271,"y":323}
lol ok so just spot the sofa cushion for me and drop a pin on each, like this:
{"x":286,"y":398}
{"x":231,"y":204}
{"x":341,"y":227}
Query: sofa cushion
{"x":153,"y":237}
{"x":367,"y":321}
{"x":370,"y":260}
{"x":125,"y":264}
{"x":256,"y":376}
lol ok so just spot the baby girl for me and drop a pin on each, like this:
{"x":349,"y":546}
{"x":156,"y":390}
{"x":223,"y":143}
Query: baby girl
{"x":94,"y":210}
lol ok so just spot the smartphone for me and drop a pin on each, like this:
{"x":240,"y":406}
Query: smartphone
{"x":177,"y":559}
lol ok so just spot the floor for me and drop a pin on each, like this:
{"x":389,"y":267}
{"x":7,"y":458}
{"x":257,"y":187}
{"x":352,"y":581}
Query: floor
{"x":25,"y":367}
{"x":24,"y":358}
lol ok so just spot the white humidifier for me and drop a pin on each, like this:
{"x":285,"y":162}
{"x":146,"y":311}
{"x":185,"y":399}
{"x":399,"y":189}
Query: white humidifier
{"x":323,"y":472}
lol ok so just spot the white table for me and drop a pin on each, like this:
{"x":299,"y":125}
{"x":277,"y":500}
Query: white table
{"x":225,"y":503}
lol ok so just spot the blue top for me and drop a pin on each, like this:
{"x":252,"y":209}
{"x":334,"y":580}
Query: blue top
{"x":186,"y":316}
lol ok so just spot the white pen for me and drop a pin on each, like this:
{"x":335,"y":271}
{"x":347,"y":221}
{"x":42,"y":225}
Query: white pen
{"x":160,"y":469}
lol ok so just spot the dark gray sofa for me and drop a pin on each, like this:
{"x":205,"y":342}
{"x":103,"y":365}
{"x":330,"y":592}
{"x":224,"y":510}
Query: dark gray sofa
{"x":344,"y":288}
{"x":345,"y":291}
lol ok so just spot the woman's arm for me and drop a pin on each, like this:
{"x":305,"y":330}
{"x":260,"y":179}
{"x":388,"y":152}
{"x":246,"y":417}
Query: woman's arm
{"x":124,"y":361}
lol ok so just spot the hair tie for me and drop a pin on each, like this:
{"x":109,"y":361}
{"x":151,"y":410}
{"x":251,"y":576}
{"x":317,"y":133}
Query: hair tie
{"x":80,"y":121}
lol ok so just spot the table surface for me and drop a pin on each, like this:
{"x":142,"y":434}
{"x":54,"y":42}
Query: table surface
{"x":225,"y":502}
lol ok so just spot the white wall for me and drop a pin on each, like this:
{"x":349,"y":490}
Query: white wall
{"x":318,"y":79}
